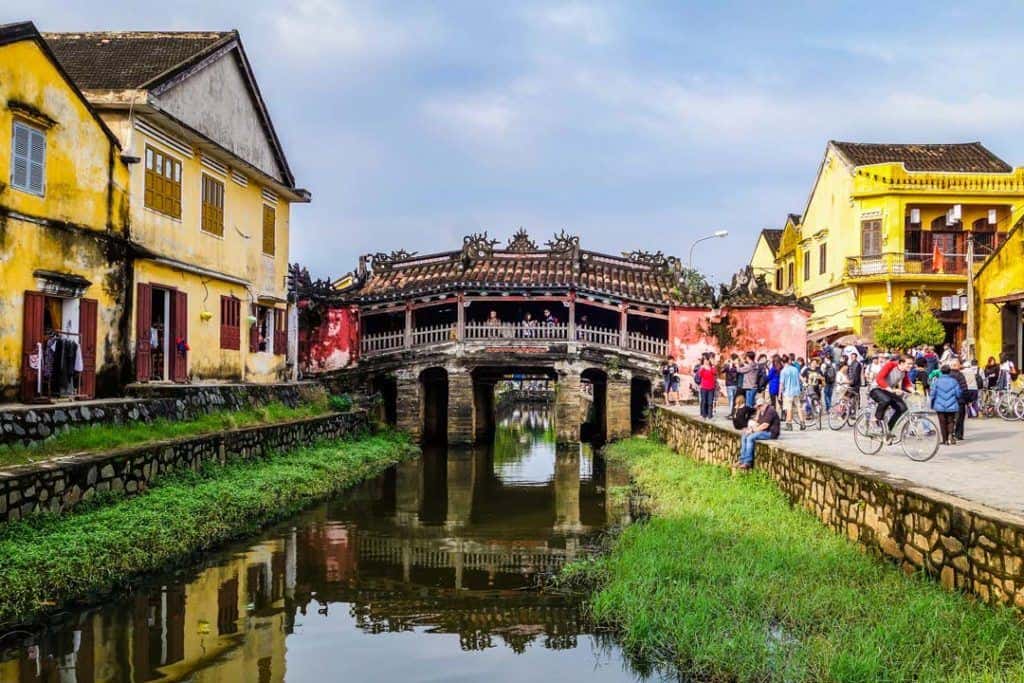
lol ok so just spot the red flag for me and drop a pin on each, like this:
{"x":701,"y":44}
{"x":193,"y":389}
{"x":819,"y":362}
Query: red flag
{"x":938,"y":260}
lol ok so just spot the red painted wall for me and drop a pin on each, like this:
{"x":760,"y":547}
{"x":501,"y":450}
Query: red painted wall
{"x":334,"y":344}
{"x":772,"y":329}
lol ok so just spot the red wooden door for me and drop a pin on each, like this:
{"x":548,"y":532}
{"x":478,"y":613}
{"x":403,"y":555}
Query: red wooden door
{"x":254,"y":337}
{"x":280,"y":331}
{"x":87,"y":312}
{"x":179,"y":337}
{"x":32,"y":334}
{"x":143,"y":322}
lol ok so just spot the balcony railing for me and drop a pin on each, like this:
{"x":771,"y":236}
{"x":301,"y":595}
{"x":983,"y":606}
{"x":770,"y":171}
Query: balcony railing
{"x":909,"y":264}
{"x":418,"y":337}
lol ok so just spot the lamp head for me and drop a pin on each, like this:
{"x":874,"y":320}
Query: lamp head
{"x":721,"y":233}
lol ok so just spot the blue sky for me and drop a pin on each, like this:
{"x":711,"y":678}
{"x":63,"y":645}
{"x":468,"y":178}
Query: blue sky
{"x":634,"y":125}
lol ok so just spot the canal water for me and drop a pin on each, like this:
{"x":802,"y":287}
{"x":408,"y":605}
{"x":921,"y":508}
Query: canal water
{"x":428,"y":573}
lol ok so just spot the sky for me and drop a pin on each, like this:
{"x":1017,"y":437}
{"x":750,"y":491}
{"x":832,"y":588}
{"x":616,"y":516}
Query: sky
{"x":635,"y":125}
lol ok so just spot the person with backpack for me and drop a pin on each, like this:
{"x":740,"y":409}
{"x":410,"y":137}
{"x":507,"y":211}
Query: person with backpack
{"x":828,"y":369}
{"x":855,"y":373}
{"x":762,"y":374}
{"x":774,"y":372}
{"x":732,"y":383}
{"x":945,"y":401}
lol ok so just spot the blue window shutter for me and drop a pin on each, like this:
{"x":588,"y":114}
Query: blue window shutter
{"x":37,"y":162}
{"x":28,"y":159}
{"x":19,"y":157}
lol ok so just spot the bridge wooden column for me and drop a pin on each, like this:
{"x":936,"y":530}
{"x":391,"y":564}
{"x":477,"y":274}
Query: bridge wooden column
{"x":617,"y":406}
{"x":461,"y":408}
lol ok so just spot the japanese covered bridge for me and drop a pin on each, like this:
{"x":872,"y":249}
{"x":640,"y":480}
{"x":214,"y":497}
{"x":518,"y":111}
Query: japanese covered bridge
{"x":435,"y":333}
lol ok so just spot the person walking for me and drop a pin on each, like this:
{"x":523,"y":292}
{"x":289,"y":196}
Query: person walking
{"x":748,"y":375}
{"x":955,"y":371}
{"x":991,"y":373}
{"x":828,"y":370}
{"x":670,"y":376}
{"x":789,"y":382}
{"x":774,"y":373}
{"x":945,"y":401}
{"x":763,"y":425}
{"x":855,"y":373}
{"x":707,"y":380}
{"x":1007,"y":373}
{"x":732,"y":379}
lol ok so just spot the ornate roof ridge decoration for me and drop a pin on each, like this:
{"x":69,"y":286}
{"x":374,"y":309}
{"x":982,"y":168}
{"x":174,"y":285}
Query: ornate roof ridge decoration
{"x":386,"y":260}
{"x":748,"y":288}
{"x":520,"y":243}
{"x":478,"y":245}
{"x":654,"y":260}
{"x":301,"y":286}
{"x":564,"y":243}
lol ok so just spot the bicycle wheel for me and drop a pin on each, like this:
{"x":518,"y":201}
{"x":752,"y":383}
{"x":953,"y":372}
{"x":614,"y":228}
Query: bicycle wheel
{"x":838,"y":416}
{"x":868,"y":437}
{"x":919,"y":438}
{"x":819,"y":409}
{"x":1004,"y":407}
{"x":1018,"y":408}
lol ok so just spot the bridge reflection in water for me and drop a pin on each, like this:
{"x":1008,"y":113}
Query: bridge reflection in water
{"x":396,"y":580}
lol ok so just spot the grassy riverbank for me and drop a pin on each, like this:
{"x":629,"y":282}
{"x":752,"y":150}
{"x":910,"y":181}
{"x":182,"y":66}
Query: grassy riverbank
{"x":46,"y":560}
{"x":726,"y":581}
{"x":109,"y":436}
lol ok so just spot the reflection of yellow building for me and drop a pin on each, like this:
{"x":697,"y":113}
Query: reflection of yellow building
{"x":210,"y":191}
{"x":62,"y":224}
{"x":884,"y":223}
{"x":999,"y":297}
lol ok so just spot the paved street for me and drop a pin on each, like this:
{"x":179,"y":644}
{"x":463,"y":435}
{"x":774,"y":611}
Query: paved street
{"x":987,"y":468}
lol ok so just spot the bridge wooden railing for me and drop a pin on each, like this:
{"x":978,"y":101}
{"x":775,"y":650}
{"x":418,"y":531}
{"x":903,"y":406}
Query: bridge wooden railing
{"x":432,"y":335}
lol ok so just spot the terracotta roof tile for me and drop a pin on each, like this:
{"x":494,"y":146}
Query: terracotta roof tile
{"x":966,"y":157}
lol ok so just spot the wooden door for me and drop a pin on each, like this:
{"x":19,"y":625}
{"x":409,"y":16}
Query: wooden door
{"x":179,"y":336}
{"x":31,"y":336}
{"x":254,"y":337}
{"x":143,"y":322}
{"x":87,"y":313}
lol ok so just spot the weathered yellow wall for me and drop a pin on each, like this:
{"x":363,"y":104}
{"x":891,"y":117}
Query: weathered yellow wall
{"x":1003,"y":274}
{"x":238,"y":253}
{"x":763,"y":261}
{"x":77,"y":226}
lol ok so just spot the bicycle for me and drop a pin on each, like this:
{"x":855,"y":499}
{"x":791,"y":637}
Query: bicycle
{"x":915,"y":432}
{"x":1010,"y":404}
{"x":844,"y":411}
{"x":813,"y":408}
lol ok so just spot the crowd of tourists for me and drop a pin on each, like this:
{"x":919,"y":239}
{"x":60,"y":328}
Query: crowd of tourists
{"x":768,"y":394}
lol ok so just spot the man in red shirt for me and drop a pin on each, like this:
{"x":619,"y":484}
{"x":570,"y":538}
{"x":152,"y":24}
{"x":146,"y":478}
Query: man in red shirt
{"x":892,"y":381}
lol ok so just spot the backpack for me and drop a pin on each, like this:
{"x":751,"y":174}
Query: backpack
{"x":762,"y":378}
{"x":830,"y":374}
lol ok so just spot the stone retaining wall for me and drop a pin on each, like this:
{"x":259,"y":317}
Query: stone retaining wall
{"x":964,"y":545}
{"x":58,"y":485}
{"x":25,"y":424}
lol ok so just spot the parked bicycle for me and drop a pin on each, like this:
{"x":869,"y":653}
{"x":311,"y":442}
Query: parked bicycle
{"x":916,"y":432}
{"x":813,"y":408}
{"x":844,"y":411}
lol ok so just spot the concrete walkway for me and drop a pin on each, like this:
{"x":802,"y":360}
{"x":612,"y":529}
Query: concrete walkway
{"x":986,"y":468}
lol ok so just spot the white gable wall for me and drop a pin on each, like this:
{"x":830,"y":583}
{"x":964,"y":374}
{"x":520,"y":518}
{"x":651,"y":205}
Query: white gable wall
{"x":217,"y":102}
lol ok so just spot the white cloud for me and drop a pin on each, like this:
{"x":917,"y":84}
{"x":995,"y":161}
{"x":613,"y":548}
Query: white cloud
{"x":588,"y":23}
{"x":351,"y":31}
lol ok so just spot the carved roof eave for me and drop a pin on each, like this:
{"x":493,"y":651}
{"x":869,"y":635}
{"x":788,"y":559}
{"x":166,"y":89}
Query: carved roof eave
{"x":455,"y":288}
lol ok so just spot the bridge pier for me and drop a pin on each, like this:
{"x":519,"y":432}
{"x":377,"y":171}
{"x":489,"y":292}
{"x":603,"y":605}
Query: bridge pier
{"x":618,"y":423}
{"x":408,"y":404}
{"x":483,"y":406}
{"x":567,"y":490}
{"x":568,"y":410}
{"x":461,"y":406}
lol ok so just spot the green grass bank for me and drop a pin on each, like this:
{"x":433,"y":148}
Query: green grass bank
{"x":727,"y":581}
{"x":48,"y":560}
{"x":86,"y":439}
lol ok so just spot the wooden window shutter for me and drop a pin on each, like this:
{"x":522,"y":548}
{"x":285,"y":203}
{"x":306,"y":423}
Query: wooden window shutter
{"x":807,"y":265}
{"x":269,"y":230}
{"x":28,"y":158}
{"x":180,"y":315}
{"x":143,"y":320}
{"x":87,"y":320}
{"x":31,"y":336}
{"x":280,"y":331}
{"x":163,"y":183}
{"x":230,"y":325}
{"x":213,"y":206}
{"x":822,"y":258}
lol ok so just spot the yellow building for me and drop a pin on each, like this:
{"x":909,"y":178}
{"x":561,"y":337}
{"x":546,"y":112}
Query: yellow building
{"x":999,"y":297}
{"x":210,"y":192}
{"x":887,"y":223}
{"x":63,"y":231}
{"x":765,"y":251}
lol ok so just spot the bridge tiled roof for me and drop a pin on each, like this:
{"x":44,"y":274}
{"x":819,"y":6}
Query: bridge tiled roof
{"x":640,"y":276}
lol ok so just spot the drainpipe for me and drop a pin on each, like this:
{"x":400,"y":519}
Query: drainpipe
{"x":968,"y":349}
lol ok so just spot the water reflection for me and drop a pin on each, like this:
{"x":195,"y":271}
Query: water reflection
{"x":400,"y":579}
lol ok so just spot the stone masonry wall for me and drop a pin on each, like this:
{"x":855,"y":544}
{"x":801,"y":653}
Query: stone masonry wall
{"x":58,"y":485}
{"x":25,"y":424}
{"x":965,"y":546}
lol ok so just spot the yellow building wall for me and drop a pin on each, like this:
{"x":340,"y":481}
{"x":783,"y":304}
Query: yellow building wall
{"x":1003,"y":274}
{"x":238,"y":253}
{"x":75,"y":227}
{"x":763,"y":261}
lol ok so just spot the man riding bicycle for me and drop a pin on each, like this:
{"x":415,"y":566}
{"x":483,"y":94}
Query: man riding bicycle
{"x":892,"y":381}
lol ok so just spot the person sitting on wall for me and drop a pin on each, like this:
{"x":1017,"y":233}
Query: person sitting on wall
{"x":764,"y":425}
{"x":741,"y":413}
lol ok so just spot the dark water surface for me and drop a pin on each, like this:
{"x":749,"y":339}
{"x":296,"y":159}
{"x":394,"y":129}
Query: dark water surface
{"x":425,"y":574}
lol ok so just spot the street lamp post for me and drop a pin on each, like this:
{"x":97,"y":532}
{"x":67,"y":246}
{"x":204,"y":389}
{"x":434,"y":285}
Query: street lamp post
{"x":716,"y":233}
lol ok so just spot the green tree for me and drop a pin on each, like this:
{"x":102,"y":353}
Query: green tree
{"x":904,"y":326}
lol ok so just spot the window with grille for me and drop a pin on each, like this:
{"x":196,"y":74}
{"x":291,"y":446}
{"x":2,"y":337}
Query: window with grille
{"x":807,"y":265}
{"x":213,"y":206}
{"x":778,"y":279}
{"x":822,"y":260}
{"x":230,"y":323}
{"x":163,"y":183}
{"x":28,"y":158}
{"x":871,"y":238}
{"x":269,"y":230}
